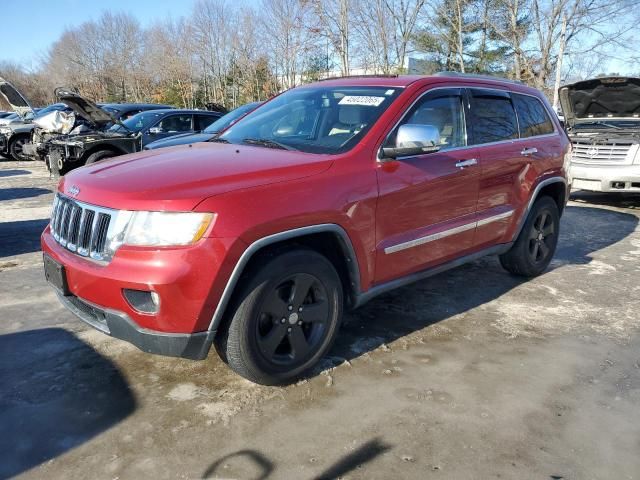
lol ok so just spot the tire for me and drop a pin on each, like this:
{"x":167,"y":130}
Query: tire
{"x":536,"y":244}
{"x":15,"y":147}
{"x":99,"y":155}
{"x":273,"y":337}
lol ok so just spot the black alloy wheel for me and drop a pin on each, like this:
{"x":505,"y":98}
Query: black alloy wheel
{"x":284,"y":317}
{"x":292,"y":320}
{"x":541,"y":237}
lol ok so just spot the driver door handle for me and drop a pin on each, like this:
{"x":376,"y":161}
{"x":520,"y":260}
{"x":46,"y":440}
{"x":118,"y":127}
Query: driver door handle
{"x":467,"y":163}
{"x":528,"y":151}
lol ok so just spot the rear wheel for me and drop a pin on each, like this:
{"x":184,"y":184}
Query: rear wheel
{"x":16,"y":146}
{"x":100,"y":155}
{"x":286,"y":318}
{"x":533,"y":250}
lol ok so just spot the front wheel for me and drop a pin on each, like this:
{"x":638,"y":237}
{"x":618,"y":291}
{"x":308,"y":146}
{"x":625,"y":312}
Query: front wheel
{"x":16,"y":146}
{"x":99,"y":155}
{"x":287,"y":316}
{"x":532,"y":252}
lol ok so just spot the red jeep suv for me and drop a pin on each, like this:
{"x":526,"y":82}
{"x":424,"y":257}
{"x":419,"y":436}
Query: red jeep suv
{"x":320,"y":199}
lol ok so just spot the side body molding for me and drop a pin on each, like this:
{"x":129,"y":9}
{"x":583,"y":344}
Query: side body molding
{"x":351,"y":260}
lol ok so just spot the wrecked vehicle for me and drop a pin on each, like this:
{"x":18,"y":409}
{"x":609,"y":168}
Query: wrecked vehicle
{"x":129,"y":136}
{"x":87,"y":117}
{"x":208,"y":133}
{"x":602,"y":117}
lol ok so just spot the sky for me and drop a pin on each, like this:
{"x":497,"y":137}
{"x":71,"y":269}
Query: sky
{"x":25,"y":42}
{"x":29,"y":27}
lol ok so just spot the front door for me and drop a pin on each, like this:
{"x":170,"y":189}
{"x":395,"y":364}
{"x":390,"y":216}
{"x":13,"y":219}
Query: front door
{"x":427,"y":203}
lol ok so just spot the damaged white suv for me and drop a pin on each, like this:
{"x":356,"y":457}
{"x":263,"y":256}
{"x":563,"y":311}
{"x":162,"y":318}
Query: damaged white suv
{"x":602,"y":117}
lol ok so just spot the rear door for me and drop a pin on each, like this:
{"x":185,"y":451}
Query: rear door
{"x":494,"y":130}
{"x":427,"y":203}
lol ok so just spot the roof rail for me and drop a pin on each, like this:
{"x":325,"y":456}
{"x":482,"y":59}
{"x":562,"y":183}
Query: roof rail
{"x":373,"y":75}
{"x":476,"y":75}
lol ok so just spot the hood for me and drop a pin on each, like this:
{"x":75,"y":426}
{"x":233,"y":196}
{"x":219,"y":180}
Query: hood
{"x":56,"y":122}
{"x":182,"y":139}
{"x":85,"y":107}
{"x":15,"y":99}
{"x":601,"y":98}
{"x":180,"y":178}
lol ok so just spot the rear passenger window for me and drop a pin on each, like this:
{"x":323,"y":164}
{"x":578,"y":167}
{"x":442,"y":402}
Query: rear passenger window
{"x":532,"y":116}
{"x":203,"y":121}
{"x":493,"y":117}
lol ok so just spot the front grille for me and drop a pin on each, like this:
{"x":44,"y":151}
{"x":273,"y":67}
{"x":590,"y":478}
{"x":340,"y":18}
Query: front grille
{"x":81,"y":228}
{"x":615,"y":153}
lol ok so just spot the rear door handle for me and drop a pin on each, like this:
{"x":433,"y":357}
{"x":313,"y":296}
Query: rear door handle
{"x":528,"y":151}
{"x":467,"y":163}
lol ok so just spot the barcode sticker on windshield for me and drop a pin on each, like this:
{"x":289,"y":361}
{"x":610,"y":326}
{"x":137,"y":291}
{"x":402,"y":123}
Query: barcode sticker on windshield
{"x":363,"y":100}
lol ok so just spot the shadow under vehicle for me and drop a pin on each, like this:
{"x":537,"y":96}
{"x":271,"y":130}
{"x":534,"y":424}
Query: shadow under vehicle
{"x":125,"y":137}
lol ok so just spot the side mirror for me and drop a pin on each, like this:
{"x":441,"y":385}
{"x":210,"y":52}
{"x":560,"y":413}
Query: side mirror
{"x":413,"y":139}
{"x":155,"y":130}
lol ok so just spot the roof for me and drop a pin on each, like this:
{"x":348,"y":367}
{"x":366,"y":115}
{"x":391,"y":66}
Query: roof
{"x":406,"y":80}
{"x":181,"y":110}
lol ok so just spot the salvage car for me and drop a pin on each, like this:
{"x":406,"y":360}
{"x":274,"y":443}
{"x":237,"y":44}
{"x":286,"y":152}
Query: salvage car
{"x":90,"y":117}
{"x":208,"y":133}
{"x":326,"y":196}
{"x":602,"y":116}
{"x":125,"y":137}
{"x":16,"y":134}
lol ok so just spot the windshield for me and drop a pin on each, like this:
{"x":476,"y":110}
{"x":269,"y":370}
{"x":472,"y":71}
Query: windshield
{"x":137,"y":123}
{"x":228,"y":119}
{"x":315,"y":119}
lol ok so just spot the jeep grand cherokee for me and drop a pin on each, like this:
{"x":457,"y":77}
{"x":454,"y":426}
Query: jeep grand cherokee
{"x":324,"y":197}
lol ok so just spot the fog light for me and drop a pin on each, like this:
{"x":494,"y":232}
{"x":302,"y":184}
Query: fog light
{"x":142,"y":301}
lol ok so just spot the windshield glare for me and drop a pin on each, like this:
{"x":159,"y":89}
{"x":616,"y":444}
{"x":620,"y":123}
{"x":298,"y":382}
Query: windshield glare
{"x":137,"y":123}
{"x":226,"y":120}
{"x":316,"y":119}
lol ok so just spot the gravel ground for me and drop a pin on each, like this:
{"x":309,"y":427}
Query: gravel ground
{"x":470,"y":374}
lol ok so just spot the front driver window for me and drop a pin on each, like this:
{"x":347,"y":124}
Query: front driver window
{"x":445,"y":113}
{"x":175,"y":123}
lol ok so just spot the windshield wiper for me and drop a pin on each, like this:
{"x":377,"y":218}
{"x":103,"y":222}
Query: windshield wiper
{"x":604,"y":124}
{"x":218,"y":139}
{"x":264,"y":142}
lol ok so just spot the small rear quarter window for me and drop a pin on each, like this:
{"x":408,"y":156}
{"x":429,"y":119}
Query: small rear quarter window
{"x":532,"y":116}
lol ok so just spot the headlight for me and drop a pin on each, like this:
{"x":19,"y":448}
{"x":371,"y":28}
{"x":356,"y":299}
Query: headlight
{"x":166,"y":228}
{"x":4,"y":130}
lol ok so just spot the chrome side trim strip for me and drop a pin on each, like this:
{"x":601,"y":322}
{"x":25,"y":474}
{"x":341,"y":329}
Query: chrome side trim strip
{"x":429,"y":238}
{"x":352,"y":262}
{"x":447,"y":233}
{"x":495,"y":218}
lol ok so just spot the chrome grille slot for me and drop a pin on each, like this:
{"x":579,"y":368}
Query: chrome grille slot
{"x":603,"y":154}
{"x":82,"y":228}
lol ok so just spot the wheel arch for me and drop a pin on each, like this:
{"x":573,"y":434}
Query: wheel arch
{"x":554,"y":187}
{"x":101,"y":148}
{"x":330,"y":240}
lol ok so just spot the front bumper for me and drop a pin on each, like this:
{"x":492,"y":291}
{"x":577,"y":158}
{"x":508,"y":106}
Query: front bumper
{"x":3,"y":144}
{"x":605,"y":178}
{"x":194,"y":346}
{"x":188,"y":281}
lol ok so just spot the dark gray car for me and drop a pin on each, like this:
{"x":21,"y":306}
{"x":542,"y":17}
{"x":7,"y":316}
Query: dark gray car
{"x":126,"y":137}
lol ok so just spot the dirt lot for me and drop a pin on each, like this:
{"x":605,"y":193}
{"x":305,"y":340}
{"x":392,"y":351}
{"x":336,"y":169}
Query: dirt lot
{"x":471,"y":374}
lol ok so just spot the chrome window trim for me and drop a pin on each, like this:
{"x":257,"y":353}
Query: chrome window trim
{"x":447,"y":233}
{"x":462,"y":87}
